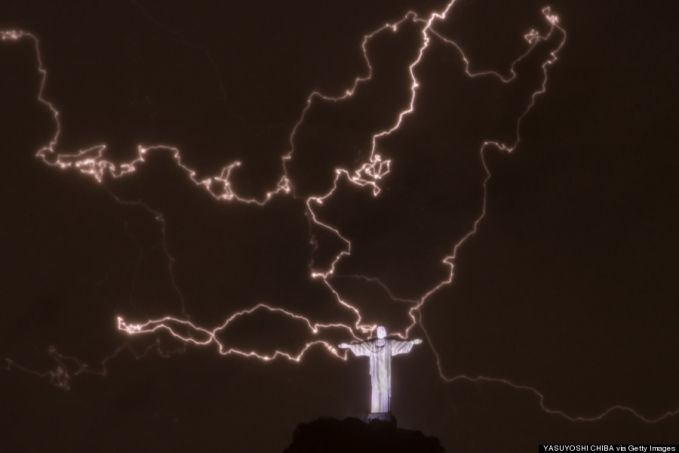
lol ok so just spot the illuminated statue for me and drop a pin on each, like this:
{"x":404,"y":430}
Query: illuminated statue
{"x":380,"y":350}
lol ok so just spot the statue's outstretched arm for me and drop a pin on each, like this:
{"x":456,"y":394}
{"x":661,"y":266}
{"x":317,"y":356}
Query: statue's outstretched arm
{"x":403,"y":346}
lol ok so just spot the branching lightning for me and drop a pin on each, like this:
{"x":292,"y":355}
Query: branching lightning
{"x":68,"y":367}
{"x":202,"y":337}
{"x":93,"y":163}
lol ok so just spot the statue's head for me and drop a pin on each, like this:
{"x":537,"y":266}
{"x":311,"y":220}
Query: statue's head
{"x":381,"y":332}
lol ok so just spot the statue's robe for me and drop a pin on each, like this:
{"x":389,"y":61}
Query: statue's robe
{"x":380,"y":352}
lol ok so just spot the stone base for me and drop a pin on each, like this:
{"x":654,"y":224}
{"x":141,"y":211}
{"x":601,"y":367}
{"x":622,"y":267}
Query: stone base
{"x":351,"y":435}
{"x":381,"y":416}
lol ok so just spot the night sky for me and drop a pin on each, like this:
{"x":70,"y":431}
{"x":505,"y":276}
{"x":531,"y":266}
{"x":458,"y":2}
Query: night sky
{"x":568,"y":287}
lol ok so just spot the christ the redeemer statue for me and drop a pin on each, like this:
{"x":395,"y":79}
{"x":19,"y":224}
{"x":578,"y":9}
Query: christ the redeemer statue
{"x":380,"y":350}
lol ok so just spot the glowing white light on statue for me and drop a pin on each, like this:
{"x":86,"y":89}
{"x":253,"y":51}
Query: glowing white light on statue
{"x":380,"y":351}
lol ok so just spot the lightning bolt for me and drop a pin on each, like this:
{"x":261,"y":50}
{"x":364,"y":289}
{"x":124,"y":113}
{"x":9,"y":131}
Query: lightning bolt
{"x":93,"y":163}
{"x":200,"y":336}
{"x":68,"y":367}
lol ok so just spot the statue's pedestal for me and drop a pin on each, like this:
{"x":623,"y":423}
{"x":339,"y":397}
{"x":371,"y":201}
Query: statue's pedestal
{"x":351,"y":435}
{"x":381,"y":416}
